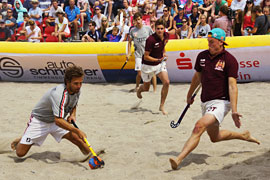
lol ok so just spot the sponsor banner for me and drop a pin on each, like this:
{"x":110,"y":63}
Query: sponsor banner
{"x":47,"y":67}
{"x":253,"y":64}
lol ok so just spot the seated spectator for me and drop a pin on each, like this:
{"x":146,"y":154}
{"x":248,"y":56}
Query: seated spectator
{"x":261,"y":25}
{"x":98,"y":16}
{"x":33,"y":32}
{"x":202,"y":29}
{"x":114,"y":37}
{"x":27,"y":4}
{"x":45,"y":7}
{"x":20,"y":11}
{"x":215,"y":9}
{"x":104,"y":28}
{"x":169,"y":20}
{"x":174,"y":8}
{"x":194,"y":17}
{"x":185,"y":30}
{"x":50,"y":21}
{"x":159,"y":8}
{"x":3,"y":10}
{"x":26,"y":19}
{"x":35,"y":12}
{"x":223,"y":22}
{"x":237,"y":23}
{"x":61,"y":25}
{"x":263,"y":3}
{"x":188,"y":8}
{"x":141,"y":4}
{"x":92,"y":35}
{"x":5,"y":34}
{"x":10,"y":21}
{"x":73,"y":16}
{"x":206,"y":9}
{"x":238,"y":4}
{"x":177,"y":21}
{"x":84,"y":7}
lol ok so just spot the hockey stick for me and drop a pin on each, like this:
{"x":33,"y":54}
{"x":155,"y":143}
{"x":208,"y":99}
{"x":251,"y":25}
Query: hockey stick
{"x":173,"y":125}
{"x":97,"y":159}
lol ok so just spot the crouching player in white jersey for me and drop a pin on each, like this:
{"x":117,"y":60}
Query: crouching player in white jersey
{"x":48,"y":116}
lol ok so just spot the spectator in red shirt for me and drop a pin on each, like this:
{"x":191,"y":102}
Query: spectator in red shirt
{"x":5,"y":34}
{"x":217,"y":70}
{"x":153,"y":64}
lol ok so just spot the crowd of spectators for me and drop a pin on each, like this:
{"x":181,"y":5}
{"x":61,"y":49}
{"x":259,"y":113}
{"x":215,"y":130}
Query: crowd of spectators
{"x":111,"y":20}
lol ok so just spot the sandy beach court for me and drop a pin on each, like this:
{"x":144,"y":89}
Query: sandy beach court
{"x":138,"y":142}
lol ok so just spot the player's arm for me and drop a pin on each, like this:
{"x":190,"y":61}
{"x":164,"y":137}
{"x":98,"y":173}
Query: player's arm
{"x":72,"y":115}
{"x":147,"y":57}
{"x":66,"y":125}
{"x":129,"y":47}
{"x":196,"y":80}
{"x":233,"y":92}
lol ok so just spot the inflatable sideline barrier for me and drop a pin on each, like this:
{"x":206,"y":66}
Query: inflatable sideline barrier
{"x":45,"y":62}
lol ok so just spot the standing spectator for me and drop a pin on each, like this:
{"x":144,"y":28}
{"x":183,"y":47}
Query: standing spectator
{"x":237,"y":23}
{"x":202,"y":29}
{"x":10,"y":21}
{"x":185,"y":30}
{"x":238,"y":4}
{"x":33,"y":32}
{"x":3,"y":10}
{"x":118,"y":4}
{"x":223,"y":22}
{"x":98,"y":16}
{"x":35,"y":12}
{"x":20,"y":11}
{"x":92,"y":35}
{"x":5,"y":34}
{"x":128,"y":10}
{"x":194,"y":17}
{"x":177,"y":21}
{"x":248,"y":20}
{"x":73,"y":16}
{"x":61,"y":25}
{"x":84,"y":7}
{"x":50,"y":21}
{"x":159,"y":8}
{"x":261,"y":25}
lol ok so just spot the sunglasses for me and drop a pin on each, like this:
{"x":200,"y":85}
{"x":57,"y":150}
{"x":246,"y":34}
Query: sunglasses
{"x":104,"y":20}
{"x":165,"y":10}
{"x":97,"y":9}
{"x":9,"y":12}
{"x":150,"y":12}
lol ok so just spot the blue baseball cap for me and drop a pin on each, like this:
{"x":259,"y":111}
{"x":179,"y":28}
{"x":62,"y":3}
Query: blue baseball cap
{"x":219,"y":34}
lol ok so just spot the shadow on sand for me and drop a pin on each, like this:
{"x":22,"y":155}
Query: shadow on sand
{"x":254,"y":168}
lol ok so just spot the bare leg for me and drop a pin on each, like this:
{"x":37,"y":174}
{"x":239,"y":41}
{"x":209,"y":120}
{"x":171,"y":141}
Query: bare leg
{"x":163,"y":76}
{"x":217,"y":135}
{"x":138,"y":79}
{"x":144,"y":87}
{"x":74,"y":138}
{"x":21,"y":149}
{"x":194,"y":139}
{"x":154,"y":82}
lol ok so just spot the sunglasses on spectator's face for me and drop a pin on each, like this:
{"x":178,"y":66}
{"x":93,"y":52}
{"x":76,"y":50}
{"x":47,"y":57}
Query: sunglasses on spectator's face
{"x":9,"y":12}
{"x":184,"y":21}
{"x":97,"y":9}
{"x":150,"y":12}
{"x":165,"y":10}
{"x":104,"y":20}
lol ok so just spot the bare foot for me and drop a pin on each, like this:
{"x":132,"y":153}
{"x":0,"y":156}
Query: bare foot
{"x":161,"y":108}
{"x":249,"y":138}
{"x":174,"y":164}
{"x":15,"y":143}
{"x":139,"y":94}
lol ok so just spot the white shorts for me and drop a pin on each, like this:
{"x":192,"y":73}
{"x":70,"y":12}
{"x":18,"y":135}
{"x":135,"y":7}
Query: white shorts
{"x":149,"y":71}
{"x":37,"y":131}
{"x":219,"y":108}
{"x":138,"y":64}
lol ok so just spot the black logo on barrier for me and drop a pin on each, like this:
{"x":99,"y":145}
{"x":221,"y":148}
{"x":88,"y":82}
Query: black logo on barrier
{"x":10,"y":67}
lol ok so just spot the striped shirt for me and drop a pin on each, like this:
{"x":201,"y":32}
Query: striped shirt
{"x":56,"y":102}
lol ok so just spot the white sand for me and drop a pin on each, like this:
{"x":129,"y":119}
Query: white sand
{"x":138,"y":142}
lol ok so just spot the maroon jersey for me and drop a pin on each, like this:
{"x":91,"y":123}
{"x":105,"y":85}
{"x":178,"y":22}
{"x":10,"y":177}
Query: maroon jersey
{"x":155,"y":46}
{"x":215,"y":73}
